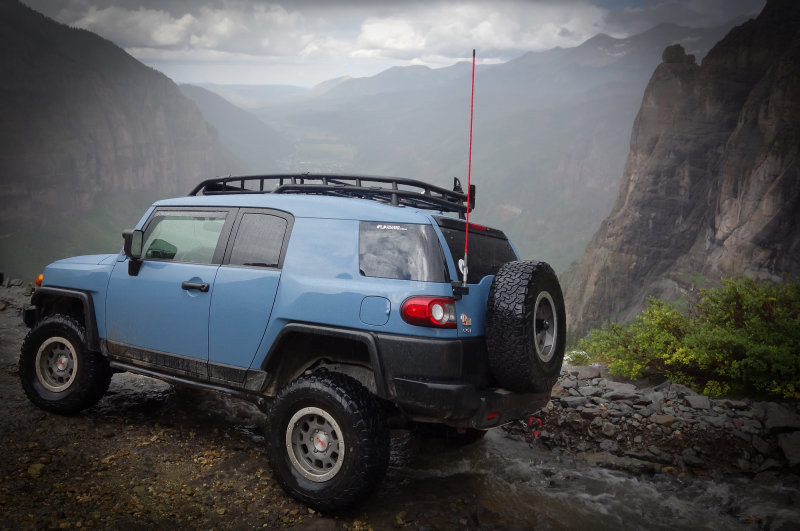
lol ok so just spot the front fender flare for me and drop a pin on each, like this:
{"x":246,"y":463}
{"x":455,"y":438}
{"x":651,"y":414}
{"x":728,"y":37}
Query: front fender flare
{"x":39,"y":300}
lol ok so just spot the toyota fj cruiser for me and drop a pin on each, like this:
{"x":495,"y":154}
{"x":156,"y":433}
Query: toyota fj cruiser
{"x":342,"y":305}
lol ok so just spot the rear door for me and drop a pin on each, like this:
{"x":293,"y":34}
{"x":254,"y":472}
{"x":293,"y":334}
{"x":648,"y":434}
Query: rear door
{"x":244,"y":291}
{"x":489,"y":249}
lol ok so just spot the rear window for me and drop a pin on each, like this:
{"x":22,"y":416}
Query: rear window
{"x":401,"y":251}
{"x":488,"y":248}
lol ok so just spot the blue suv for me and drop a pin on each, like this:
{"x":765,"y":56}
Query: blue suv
{"x":342,"y":305}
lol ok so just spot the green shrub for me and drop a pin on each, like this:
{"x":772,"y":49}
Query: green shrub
{"x":742,"y":338}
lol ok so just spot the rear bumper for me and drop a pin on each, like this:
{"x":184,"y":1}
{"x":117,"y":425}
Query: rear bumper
{"x":463,"y":405}
{"x":449,"y":381}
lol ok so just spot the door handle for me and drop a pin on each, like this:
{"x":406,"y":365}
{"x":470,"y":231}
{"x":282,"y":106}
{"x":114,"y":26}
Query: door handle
{"x":200,"y":286}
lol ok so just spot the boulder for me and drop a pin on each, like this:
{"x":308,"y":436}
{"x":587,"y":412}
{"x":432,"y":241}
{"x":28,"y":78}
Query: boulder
{"x":789,"y":444}
{"x":697,"y":401}
{"x":778,"y":418}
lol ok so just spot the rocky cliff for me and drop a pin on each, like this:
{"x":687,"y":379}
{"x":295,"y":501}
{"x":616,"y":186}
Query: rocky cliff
{"x":82,"y":119}
{"x":711,"y":187}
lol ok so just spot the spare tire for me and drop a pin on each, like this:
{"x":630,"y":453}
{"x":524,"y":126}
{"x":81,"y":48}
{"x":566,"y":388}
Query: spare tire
{"x":525,"y":327}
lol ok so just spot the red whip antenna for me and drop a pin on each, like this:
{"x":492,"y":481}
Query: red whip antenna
{"x":469,"y":169}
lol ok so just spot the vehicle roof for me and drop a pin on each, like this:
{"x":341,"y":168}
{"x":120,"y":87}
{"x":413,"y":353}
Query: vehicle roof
{"x":308,"y":206}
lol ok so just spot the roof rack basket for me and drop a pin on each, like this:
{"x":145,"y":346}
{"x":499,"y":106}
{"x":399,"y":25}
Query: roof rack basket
{"x":391,"y":190}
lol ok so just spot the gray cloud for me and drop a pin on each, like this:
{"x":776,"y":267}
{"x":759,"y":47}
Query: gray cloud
{"x":254,"y":40}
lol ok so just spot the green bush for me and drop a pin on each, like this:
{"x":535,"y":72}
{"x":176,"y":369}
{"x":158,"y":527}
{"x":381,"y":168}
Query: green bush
{"x":740,"y":338}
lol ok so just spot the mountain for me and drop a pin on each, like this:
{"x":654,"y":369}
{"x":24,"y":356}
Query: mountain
{"x":254,"y":96}
{"x":551,"y":131}
{"x":711,"y":186}
{"x":89,"y":136}
{"x":395,"y":79}
{"x":253,"y":143}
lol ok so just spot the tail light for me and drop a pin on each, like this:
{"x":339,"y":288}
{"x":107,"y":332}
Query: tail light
{"x":438,"y":312}
{"x":39,"y":279}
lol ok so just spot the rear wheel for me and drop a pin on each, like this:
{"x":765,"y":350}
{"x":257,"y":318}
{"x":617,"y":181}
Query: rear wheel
{"x":329,"y":445}
{"x":526,"y":327}
{"x":57,"y":371}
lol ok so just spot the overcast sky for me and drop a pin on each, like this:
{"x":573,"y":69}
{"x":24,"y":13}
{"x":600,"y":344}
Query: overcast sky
{"x":304,"y":42}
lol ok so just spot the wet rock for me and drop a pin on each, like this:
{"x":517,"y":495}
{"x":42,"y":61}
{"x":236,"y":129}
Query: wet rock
{"x":789,"y":444}
{"x":698,"y":401}
{"x":741,"y":435}
{"x":663,"y":387}
{"x":628,"y":464}
{"x":777,"y":418}
{"x":618,"y":386}
{"x":769,"y":464}
{"x":736,"y":404}
{"x":752,"y":427}
{"x":664,"y":420}
{"x":760,"y":445}
{"x":588,"y":372}
{"x":680,"y":391}
{"x":608,"y":445}
{"x":609,"y":429}
{"x":591,"y":412}
{"x":624,"y":406}
{"x":653,"y":449}
{"x":690,"y":458}
{"x":573,"y":401}
{"x":620,"y":395}
{"x":569,"y":384}
{"x":558,"y":392}
{"x":582,"y":446}
{"x":574,"y":419}
{"x":717,"y":422}
{"x":590,"y":391}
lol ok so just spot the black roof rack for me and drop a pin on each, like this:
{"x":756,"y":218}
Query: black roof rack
{"x":391,"y":190}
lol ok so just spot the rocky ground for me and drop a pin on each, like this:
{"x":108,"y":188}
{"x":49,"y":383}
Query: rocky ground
{"x":668,"y":428}
{"x":151,"y":455}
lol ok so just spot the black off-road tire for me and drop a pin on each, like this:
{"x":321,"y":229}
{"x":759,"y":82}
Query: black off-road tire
{"x":526,"y":327}
{"x":328,"y":442}
{"x":57,"y":371}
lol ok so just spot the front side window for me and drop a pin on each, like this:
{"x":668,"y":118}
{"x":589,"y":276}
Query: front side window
{"x":401,"y":251}
{"x":258,"y":240}
{"x":183,"y":236}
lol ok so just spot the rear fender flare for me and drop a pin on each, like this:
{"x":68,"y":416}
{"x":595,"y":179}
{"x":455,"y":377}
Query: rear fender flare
{"x":272,"y":360}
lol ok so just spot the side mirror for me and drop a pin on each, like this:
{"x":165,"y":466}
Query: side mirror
{"x":133,"y":243}
{"x":133,"y":249}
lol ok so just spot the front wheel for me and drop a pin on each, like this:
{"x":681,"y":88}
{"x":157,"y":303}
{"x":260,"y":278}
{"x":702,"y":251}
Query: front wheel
{"x":57,"y":370}
{"x":329,"y":445}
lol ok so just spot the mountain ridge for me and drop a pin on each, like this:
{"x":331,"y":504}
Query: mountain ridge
{"x":86,"y":127}
{"x":712,"y":182}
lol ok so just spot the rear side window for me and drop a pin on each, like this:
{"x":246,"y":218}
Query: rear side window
{"x":258,"y":240}
{"x":488,"y":248}
{"x":401,"y":251}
